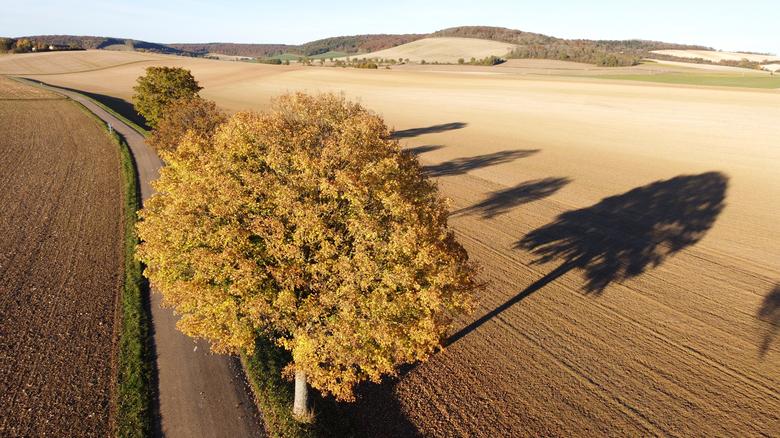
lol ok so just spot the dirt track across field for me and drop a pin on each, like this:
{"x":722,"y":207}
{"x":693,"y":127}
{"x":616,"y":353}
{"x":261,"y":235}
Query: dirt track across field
{"x":628,"y":232}
{"x":61,"y":264}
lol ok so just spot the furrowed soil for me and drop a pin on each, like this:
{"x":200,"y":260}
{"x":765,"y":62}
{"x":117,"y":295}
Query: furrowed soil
{"x":628,"y":233}
{"x":61,"y":265}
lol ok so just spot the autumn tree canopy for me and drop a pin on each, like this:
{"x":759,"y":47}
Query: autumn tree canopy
{"x":308,"y":225}
{"x":159,"y":87}
{"x":196,"y":115}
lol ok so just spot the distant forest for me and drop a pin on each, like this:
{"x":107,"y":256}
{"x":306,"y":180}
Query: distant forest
{"x":529,"y":45}
{"x":346,"y":44}
{"x":74,"y":42}
{"x":537,"y":46}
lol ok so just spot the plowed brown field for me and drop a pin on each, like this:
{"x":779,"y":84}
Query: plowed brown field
{"x":60,"y":266}
{"x":628,"y":232}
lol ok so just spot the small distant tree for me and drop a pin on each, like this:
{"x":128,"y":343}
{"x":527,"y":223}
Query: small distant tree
{"x":197,"y":116}
{"x":6,"y":44}
{"x":310,"y":226}
{"x":159,"y":87}
{"x":423,"y":62}
{"x":23,"y":46}
{"x":461,"y":61}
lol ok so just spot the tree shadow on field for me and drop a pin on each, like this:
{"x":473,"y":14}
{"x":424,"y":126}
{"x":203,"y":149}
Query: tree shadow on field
{"x":376,"y":412}
{"x":121,"y":106}
{"x":502,"y":201}
{"x":415,"y":132}
{"x":622,"y":236}
{"x":420,"y":150}
{"x":460,"y":166}
{"x":770,"y":313}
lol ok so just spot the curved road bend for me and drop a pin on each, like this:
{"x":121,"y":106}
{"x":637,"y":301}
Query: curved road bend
{"x":200,"y":394}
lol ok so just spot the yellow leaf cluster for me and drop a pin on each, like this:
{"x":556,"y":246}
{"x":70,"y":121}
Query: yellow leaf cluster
{"x":309,"y":225}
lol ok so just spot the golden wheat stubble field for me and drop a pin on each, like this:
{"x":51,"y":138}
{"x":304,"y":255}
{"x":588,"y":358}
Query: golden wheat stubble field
{"x":60,"y":266}
{"x":628,"y":234}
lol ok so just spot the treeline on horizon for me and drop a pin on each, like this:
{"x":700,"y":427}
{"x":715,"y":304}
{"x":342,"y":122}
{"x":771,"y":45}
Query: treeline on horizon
{"x":77,"y":42}
{"x":530,"y":45}
{"x":607,"y":53}
{"x":347,"y":44}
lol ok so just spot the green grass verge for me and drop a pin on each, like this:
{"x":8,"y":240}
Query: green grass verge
{"x":274,"y":395}
{"x":133,"y":400}
{"x":708,"y":79}
{"x":134,"y":386}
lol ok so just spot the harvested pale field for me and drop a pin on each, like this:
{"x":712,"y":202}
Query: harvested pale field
{"x":549,"y":68}
{"x":715,"y":56}
{"x":709,"y":67}
{"x":67,"y":62}
{"x":654,"y":208}
{"x":772,"y":67}
{"x":445,"y":49}
{"x":61,"y":265}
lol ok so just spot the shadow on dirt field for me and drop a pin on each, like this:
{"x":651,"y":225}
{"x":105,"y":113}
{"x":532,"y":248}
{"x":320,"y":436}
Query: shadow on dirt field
{"x":415,"y":132}
{"x":622,"y":236}
{"x":502,"y":201}
{"x":770,"y":313}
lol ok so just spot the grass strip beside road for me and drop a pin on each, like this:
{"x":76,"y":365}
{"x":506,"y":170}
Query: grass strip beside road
{"x":274,"y":394}
{"x":134,"y":391}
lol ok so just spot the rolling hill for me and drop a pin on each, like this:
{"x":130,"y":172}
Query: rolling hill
{"x":493,"y":41}
{"x":445,"y":49}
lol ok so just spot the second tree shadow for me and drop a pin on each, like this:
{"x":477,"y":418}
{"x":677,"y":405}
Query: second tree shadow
{"x":502,"y":201}
{"x":623,"y":235}
{"x":460,"y":166}
{"x":770,"y":313}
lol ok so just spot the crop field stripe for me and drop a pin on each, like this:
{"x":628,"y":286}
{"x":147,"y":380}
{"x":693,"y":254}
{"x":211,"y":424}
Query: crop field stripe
{"x":703,"y":80}
{"x":133,"y":391}
{"x":15,"y":99}
{"x":85,"y":70}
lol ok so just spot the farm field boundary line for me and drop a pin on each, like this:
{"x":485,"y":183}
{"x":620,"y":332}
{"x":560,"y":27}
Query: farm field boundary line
{"x":38,"y":99}
{"x":85,"y":70}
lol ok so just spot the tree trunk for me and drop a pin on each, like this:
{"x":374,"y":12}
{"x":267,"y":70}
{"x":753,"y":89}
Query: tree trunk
{"x":301,"y":403}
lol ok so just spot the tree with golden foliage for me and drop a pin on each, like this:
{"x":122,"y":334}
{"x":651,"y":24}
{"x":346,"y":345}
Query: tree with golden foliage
{"x":159,"y":87}
{"x":306,"y":224}
{"x":199,"y":116}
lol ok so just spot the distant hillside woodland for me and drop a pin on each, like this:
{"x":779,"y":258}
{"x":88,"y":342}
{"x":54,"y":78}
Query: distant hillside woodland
{"x":537,"y":46}
{"x":346,"y":44}
{"x":37,"y":43}
{"x":529,"y":45}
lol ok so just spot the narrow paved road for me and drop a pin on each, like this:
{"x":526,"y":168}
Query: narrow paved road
{"x":200,"y":394}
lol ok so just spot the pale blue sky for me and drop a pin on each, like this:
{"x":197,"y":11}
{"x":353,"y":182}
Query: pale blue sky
{"x":726,"y":25}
